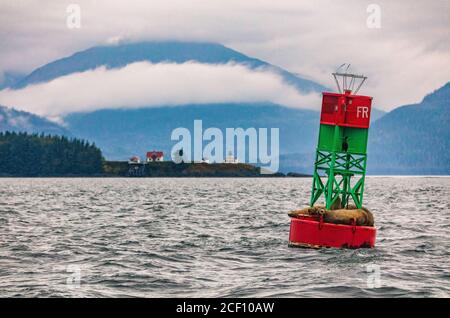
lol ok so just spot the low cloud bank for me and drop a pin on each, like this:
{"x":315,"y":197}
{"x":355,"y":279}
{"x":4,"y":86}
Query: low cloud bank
{"x":144,"y":84}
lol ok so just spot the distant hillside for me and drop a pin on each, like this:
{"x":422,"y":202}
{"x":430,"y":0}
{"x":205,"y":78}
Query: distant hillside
{"x":115,"y":56}
{"x":14,"y":120}
{"x":9,"y":79}
{"x":122,"y":133}
{"x":413,"y":139}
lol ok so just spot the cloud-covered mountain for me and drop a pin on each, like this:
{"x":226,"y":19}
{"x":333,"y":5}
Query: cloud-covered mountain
{"x":411,"y":139}
{"x":143,"y":84}
{"x":122,"y":132}
{"x":116,"y":56}
{"x":14,"y":120}
{"x":153,"y":74}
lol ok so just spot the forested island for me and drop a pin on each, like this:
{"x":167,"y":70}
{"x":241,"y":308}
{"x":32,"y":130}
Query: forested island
{"x":33,"y":155}
{"x":40,"y":155}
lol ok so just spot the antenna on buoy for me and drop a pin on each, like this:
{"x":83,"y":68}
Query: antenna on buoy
{"x":348,"y":80}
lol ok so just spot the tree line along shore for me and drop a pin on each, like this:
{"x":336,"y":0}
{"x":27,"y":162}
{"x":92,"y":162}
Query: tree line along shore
{"x":40,"y":155}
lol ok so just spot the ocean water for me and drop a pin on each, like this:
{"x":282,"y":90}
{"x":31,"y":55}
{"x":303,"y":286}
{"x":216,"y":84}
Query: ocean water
{"x":213,"y":238}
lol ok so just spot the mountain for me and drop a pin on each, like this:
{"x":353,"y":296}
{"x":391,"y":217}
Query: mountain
{"x":413,"y":139}
{"x":8,"y":79}
{"x":116,"y":56}
{"x":376,"y":114}
{"x":14,"y":120}
{"x":122,"y":133}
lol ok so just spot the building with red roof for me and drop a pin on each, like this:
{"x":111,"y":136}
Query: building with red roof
{"x":153,"y":156}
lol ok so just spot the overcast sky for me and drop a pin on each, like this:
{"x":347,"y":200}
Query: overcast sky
{"x":405,"y":58}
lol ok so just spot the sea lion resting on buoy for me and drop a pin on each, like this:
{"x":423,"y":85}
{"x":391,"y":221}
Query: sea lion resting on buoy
{"x":309,"y":211}
{"x":361,"y":217}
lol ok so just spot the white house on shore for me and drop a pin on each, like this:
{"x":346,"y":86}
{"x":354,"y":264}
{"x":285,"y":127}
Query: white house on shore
{"x":134,"y":160}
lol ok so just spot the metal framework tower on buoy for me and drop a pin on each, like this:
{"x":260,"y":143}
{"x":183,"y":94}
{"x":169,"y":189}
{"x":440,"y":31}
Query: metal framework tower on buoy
{"x":341,"y":151}
{"x":339,"y":172}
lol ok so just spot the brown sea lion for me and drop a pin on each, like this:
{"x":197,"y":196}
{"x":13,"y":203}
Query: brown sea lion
{"x":308,"y":211}
{"x":362,"y":217}
{"x":370,"y":217}
{"x":296,"y":213}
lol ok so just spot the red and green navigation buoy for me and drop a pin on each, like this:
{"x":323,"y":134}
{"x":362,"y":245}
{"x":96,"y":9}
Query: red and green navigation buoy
{"x":339,"y":172}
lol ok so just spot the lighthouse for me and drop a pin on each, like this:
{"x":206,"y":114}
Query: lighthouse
{"x":339,"y":172}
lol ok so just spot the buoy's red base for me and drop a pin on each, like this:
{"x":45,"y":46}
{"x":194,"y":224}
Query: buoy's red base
{"x":309,"y":232}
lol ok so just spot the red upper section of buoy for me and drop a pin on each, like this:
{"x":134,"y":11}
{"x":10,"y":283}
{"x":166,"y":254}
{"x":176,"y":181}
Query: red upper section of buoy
{"x":346,"y":110}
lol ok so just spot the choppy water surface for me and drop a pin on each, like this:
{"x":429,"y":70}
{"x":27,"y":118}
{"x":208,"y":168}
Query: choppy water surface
{"x":213,"y":237}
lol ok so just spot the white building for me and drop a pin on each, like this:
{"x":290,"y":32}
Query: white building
{"x":230,"y":158}
{"x":134,"y":160}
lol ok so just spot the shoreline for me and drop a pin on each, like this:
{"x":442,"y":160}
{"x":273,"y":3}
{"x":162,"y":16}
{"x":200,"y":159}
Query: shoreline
{"x":169,"y":169}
